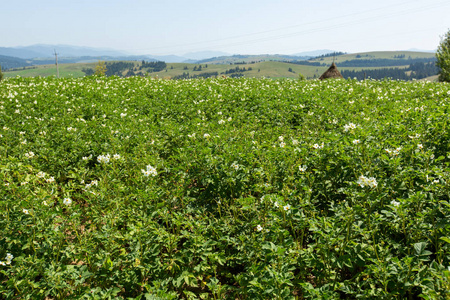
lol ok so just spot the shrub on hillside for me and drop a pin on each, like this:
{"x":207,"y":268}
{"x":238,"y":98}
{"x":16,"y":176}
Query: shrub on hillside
{"x":443,"y":58}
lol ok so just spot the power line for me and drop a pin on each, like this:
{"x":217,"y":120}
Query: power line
{"x":313,"y":30}
{"x":336,"y":26}
{"x":405,"y":33}
{"x":325,"y":28}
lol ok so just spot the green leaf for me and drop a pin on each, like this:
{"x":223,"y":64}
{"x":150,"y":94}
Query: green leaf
{"x":420,"y":249}
{"x":446,"y":239}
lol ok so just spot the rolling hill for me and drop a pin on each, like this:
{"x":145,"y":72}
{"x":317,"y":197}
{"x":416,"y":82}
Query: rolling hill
{"x":269,"y":66}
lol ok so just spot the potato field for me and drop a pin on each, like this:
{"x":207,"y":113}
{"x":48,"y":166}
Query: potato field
{"x":139,"y":188}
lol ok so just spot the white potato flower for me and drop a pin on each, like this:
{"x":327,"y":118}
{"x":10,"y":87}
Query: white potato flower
{"x":67,"y":201}
{"x":149,"y":171}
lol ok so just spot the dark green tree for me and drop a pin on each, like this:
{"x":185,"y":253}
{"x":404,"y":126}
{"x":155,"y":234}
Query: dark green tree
{"x":443,"y":58}
{"x":1,"y":73}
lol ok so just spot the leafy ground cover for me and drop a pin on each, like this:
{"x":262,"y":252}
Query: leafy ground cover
{"x":224,"y":188}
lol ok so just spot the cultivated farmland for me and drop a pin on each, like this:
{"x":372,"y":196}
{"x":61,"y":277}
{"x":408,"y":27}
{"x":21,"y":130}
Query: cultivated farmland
{"x":138,"y":188}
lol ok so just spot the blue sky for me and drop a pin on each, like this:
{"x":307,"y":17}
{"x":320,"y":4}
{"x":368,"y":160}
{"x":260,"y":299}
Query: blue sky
{"x":233,"y":26}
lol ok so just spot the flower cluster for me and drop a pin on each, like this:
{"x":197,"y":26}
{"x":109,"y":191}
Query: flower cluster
{"x":349,"y":126}
{"x":394,"y":152}
{"x":302,"y":168}
{"x":149,"y":171}
{"x":89,"y":185}
{"x":41,"y":174}
{"x":395,"y":203}
{"x":363,"y":181}
{"x":29,"y":154}
{"x":9,"y":258}
{"x":317,"y":146}
{"x":103,"y":159}
{"x":85,"y":158}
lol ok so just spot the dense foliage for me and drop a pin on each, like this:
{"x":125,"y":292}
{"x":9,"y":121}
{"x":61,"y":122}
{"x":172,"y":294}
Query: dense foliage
{"x":379,"y":62}
{"x":237,"y":70}
{"x":443,"y":58}
{"x":224,"y":189}
{"x":116,"y":68}
{"x":153,"y":66}
{"x":417,"y":70}
{"x":186,"y":75}
{"x":372,"y":62}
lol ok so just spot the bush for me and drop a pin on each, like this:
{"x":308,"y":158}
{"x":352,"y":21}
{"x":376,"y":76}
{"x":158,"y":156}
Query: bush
{"x":100,"y":68}
{"x":443,"y":58}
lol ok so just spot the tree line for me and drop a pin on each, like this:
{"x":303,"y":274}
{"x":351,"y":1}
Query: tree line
{"x":118,"y":68}
{"x":153,"y":66}
{"x":417,"y":70}
{"x":361,"y":63}
{"x":383,"y":62}
{"x":186,"y":75}
{"x":236,"y":70}
{"x":328,"y":55}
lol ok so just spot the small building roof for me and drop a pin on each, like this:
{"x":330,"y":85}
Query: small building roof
{"x":332,"y":72}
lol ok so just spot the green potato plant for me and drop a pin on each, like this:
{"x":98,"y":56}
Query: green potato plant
{"x":138,"y":188}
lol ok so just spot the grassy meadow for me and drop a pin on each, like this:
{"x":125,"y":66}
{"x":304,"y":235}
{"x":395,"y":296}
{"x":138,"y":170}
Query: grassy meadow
{"x":268,"y":69}
{"x":143,"y":188}
{"x":375,"y":55}
{"x":65,"y":70}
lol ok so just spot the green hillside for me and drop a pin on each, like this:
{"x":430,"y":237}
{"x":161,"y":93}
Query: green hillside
{"x":375,"y":55}
{"x":261,"y":69}
{"x":65,"y":70}
{"x":252,"y":68}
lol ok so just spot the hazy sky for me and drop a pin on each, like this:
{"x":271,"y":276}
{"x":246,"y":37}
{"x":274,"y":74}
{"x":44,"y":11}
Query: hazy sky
{"x":233,"y":26}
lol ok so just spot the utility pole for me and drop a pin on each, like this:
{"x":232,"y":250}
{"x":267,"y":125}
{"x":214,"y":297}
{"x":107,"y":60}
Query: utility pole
{"x":56,"y":62}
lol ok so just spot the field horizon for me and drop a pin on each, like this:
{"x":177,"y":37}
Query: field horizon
{"x":261,"y":66}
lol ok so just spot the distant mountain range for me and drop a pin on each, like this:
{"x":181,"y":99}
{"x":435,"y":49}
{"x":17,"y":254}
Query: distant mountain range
{"x":43,"y":52}
{"x":47,"y":51}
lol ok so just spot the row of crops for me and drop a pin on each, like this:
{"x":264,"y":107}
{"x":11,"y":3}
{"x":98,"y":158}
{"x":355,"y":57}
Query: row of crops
{"x":224,"y":188}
